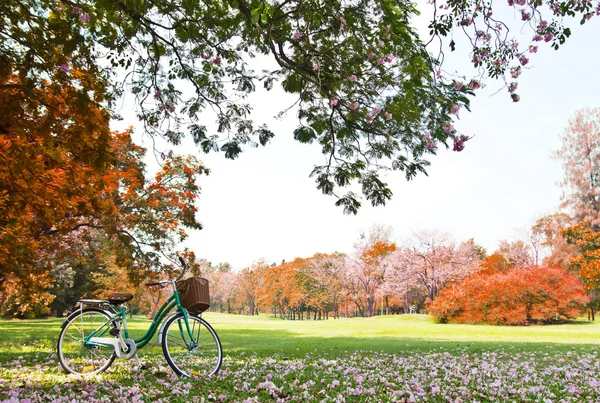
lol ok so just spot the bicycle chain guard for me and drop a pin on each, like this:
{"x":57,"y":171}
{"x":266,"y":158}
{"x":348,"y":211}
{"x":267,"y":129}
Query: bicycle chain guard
{"x":116,"y":343}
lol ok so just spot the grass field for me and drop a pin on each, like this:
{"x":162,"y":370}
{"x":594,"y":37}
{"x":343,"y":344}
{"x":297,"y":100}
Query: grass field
{"x":390,"y":358}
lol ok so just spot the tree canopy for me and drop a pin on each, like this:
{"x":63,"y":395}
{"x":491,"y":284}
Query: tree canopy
{"x":369,"y":91}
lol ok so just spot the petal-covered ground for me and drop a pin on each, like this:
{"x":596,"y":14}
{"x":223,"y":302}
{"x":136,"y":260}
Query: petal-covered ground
{"x":437,"y":376}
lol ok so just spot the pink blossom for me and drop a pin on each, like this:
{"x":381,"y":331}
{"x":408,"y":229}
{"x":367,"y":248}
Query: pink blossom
{"x":454,"y":110}
{"x":474,"y":84}
{"x":542,"y":26}
{"x":333,"y":101}
{"x":353,"y":105}
{"x":380,"y":60}
{"x":315,"y":66}
{"x":512,"y":87}
{"x":297,"y":35}
{"x":515,"y":72}
{"x":217,"y":60}
{"x":376,"y":111}
{"x":476,"y":59}
{"x":380,"y":43}
{"x":548,"y":37}
{"x":371,"y":55}
{"x":427,"y":136}
{"x":158,"y":94}
{"x":59,"y":9}
{"x":533,"y":49}
{"x":75,"y":10}
{"x":84,"y":18}
{"x":369,"y":118}
{"x":207,"y":57}
{"x":525,"y":16}
{"x":458,"y":85}
{"x":537,"y":38}
{"x":343,"y":20}
{"x":352,"y":77}
{"x":388,"y":116}
{"x":430,"y":145}
{"x":64,"y":68}
{"x":515,"y":97}
{"x":449,"y":127}
{"x":389,"y":58}
{"x":459,"y":145}
{"x":388,"y":28}
{"x":524,"y":60}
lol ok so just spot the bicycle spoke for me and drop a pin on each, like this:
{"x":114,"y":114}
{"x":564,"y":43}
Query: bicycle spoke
{"x":75,"y":355}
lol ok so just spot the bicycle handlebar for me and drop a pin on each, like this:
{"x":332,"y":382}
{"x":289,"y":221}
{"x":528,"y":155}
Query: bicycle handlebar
{"x":163,"y":283}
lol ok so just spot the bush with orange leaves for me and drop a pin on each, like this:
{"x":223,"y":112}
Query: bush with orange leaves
{"x":518,"y":296}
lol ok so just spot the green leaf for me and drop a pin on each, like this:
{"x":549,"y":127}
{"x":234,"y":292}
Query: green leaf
{"x":305,"y":134}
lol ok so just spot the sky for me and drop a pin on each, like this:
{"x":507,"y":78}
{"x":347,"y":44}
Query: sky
{"x":264,"y":205}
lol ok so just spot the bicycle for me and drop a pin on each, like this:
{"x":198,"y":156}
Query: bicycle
{"x":96,"y":333}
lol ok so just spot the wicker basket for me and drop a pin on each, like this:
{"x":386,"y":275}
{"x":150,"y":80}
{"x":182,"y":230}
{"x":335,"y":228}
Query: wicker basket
{"x":193,"y":294}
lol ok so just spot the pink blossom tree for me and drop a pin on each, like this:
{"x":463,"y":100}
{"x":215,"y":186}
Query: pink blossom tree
{"x":580,"y":157}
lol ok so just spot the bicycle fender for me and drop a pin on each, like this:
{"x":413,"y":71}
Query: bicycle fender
{"x":164,"y":323}
{"x":77,"y":312}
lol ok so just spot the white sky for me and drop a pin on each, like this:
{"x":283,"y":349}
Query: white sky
{"x":264,"y":205}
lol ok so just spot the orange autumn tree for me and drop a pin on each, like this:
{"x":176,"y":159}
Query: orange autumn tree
{"x":68,"y":184}
{"x":502,"y":294}
{"x":587,"y":262}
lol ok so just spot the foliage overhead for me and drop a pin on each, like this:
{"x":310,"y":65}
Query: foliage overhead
{"x":368,"y":90}
{"x":65,"y":179}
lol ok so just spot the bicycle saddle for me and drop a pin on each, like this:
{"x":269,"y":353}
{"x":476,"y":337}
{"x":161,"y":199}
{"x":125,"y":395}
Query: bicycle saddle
{"x":116,"y":298}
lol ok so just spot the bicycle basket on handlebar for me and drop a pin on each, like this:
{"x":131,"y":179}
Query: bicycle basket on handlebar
{"x":193,"y":294}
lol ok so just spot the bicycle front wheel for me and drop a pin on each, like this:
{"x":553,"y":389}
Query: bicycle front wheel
{"x":74,"y":354}
{"x":196,"y":352}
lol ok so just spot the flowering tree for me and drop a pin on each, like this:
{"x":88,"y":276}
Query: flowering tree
{"x":367,"y":89}
{"x":558,"y":252}
{"x":435,"y":260}
{"x":400,"y":279}
{"x":580,"y":156}
{"x":516,"y":253}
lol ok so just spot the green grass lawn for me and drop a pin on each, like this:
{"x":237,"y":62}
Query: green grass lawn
{"x":264,"y":356}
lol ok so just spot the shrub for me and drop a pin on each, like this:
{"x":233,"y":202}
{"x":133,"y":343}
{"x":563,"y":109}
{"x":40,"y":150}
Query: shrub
{"x":518,"y":296}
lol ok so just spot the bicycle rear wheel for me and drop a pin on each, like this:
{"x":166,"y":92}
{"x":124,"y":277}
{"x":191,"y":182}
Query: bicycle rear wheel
{"x":201,"y":356}
{"x":78,"y":357}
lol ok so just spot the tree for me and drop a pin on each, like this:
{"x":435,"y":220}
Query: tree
{"x":517,"y":253}
{"x":435,"y":260}
{"x":368,"y":91}
{"x":580,"y":157}
{"x":559,"y":250}
{"x":517,"y":297}
{"x":588,"y":261}
{"x":249,"y":283}
{"x":68,"y":184}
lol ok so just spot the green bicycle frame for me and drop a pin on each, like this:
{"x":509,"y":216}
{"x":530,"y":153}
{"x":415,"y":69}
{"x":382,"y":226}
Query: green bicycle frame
{"x":164,"y":310}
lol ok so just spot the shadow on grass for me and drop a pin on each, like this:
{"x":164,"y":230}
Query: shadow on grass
{"x":271,"y":342}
